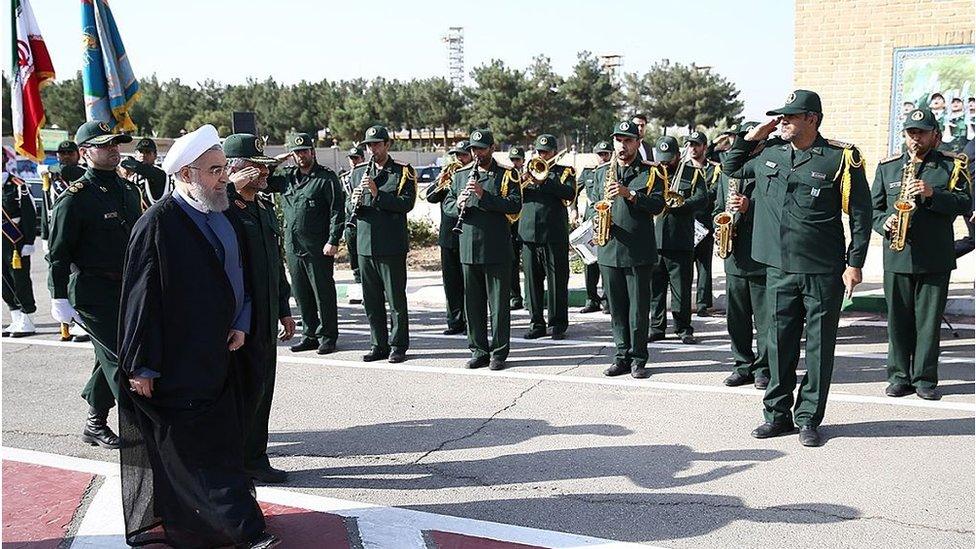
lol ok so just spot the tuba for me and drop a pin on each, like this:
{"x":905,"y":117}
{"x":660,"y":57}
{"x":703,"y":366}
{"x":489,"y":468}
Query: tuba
{"x":603,"y":219}
{"x":725,"y":224}
{"x":904,"y":207}
{"x":537,"y":169}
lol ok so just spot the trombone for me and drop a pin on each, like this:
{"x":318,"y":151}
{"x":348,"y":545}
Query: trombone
{"x":443,"y":179}
{"x":537,"y":169}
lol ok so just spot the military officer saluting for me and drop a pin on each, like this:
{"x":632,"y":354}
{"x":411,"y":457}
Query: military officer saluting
{"x":19,"y":233}
{"x":385,"y":193}
{"x":685,"y":193}
{"x":517,"y":157}
{"x":803,"y":184}
{"x":314,"y":210}
{"x":89,"y":233}
{"x":447,"y":239}
{"x":635,"y":189}
{"x":141,"y":170}
{"x":544,"y":231}
{"x":355,"y":157}
{"x":935,"y":187}
{"x":594,"y":193}
{"x":745,"y":278}
{"x":485,"y":198}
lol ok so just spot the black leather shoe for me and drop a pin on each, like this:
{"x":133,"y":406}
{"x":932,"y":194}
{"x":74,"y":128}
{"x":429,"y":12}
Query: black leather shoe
{"x":689,"y":339}
{"x":306,"y":344}
{"x":605,"y":307}
{"x":455,"y":330}
{"x":639,"y":371}
{"x":515,"y":305}
{"x":702,"y":312}
{"x":97,"y":432}
{"x":736,"y":379}
{"x":267,"y":475}
{"x":264,"y":541}
{"x":327,"y":347}
{"x":809,"y":436}
{"x":375,"y":354}
{"x":654,"y":336}
{"x":496,"y":364}
{"x":477,"y":362}
{"x":618,"y":369}
{"x":558,"y":335}
{"x":928,"y":393}
{"x":83,"y":338}
{"x":769,"y":430}
{"x":899,"y":390}
{"x":591,"y":307}
{"x":535,"y":333}
{"x":761,"y":382}
{"x":397,"y":356}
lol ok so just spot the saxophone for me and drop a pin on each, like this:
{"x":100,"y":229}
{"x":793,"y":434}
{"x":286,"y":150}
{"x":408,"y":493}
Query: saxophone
{"x":725,"y":223}
{"x":904,"y":207}
{"x":603,"y":219}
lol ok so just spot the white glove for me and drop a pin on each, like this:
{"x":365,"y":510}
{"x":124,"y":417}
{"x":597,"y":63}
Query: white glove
{"x":45,"y":246}
{"x":63,"y":312}
{"x":27,"y":250}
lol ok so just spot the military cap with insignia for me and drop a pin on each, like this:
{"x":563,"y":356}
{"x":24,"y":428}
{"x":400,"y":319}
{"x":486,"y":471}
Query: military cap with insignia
{"x":516,"y":153}
{"x":921,"y":119}
{"x":666,"y":149}
{"x":145,"y":144}
{"x":356,"y":152}
{"x":626,"y":128}
{"x":798,"y":102}
{"x":602,"y":147}
{"x":96,"y":133}
{"x":67,"y":146}
{"x":248,"y":146}
{"x":696,"y":137}
{"x":300,"y":141}
{"x":376,"y":134}
{"x":481,"y":139}
{"x":460,"y":147}
{"x":545,"y":142}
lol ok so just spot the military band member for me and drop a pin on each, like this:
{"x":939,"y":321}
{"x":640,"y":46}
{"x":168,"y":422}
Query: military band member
{"x":544,"y":230}
{"x":628,"y":257}
{"x":804,"y":183}
{"x":695,"y":144}
{"x":517,"y":156}
{"x":354,"y":156}
{"x":485,"y":198}
{"x":745,"y":278}
{"x":388,"y":189}
{"x":62,"y":174}
{"x":451,"y":272}
{"x":89,"y":232}
{"x":916,"y":279}
{"x":313,"y":205}
{"x":594,"y":193}
{"x":19,"y":233}
{"x":141,"y":170}
{"x":675,"y":237}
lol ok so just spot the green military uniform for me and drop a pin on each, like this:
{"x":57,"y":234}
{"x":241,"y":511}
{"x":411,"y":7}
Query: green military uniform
{"x":151,"y":181}
{"x":916,"y":279}
{"x":349,"y":233}
{"x":544,"y":231}
{"x":627,"y":259}
{"x":383,"y":242}
{"x":89,"y":233}
{"x":19,"y":230}
{"x":799,"y":236}
{"x":314,"y":215}
{"x":485,"y":253}
{"x":269,"y":291}
{"x":745,"y":283}
{"x":516,"y":153}
{"x":594,"y":190}
{"x":451,"y":272}
{"x":706,"y":247}
{"x":674,"y":232}
{"x":58,"y":178}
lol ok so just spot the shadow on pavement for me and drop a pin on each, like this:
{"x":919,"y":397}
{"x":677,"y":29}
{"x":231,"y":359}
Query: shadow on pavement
{"x":902,"y":428}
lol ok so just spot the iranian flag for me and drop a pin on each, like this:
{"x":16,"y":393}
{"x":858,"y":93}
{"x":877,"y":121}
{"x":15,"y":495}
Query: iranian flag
{"x":32,"y":70}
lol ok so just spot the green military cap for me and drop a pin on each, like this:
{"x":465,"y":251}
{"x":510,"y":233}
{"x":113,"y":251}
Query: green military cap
{"x":602,"y":147}
{"x":356,"y":151}
{"x":696,"y":137}
{"x":666,"y":149}
{"x":921,"y":119}
{"x":516,"y":153}
{"x":800,"y":101}
{"x":626,"y":128}
{"x":67,"y":146}
{"x":746,"y":127}
{"x":460,"y":147}
{"x":377,"y":134}
{"x":545,"y":142}
{"x":98,"y":133}
{"x":246,"y":145}
{"x":300,"y":141}
{"x":145,"y":144}
{"x":481,"y":139}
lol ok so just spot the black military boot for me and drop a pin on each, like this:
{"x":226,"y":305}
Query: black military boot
{"x":97,"y":432}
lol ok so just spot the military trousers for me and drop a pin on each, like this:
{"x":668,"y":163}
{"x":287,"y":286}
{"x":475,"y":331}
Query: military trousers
{"x":795,"y":300}
{"x":916,"y":303}
{"x":747,"y":308}
{"x":546,"y":267}
{"x":516,"y":266}
{"x":672,"y":270}
{"x":385,"y":281}
{"x":313,"y":284}
{"x":453,"y":278}
{"x":487,"y":288}
{"x":591,"y":275}
{"x":18,"y":290}
{"x":628,"y":292}
{"x":100,"y":318}
{"x":703,"y":270}
{"x":257,"y":365}
{"x":350,"y":236}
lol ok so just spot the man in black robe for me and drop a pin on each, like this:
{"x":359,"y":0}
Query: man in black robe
{"x":185,"y":312}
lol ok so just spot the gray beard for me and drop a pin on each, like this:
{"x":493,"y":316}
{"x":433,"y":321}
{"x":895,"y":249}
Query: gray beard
{"x":214,"y":201}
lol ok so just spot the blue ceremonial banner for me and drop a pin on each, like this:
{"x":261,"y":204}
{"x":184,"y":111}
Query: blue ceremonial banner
{"x":110,"y":85}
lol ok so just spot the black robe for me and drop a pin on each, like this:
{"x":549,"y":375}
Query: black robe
{"x":182,"y":456}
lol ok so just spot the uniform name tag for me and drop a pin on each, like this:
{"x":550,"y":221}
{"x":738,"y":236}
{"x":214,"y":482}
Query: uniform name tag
{"x":111,"y":215}
{"x":814,"y":192}
{"x":818,"y":175}
{"x":770,"y":164}
{"x":894,"y":184}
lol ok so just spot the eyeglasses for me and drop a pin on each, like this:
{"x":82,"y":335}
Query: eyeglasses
{"x":215,"y":171}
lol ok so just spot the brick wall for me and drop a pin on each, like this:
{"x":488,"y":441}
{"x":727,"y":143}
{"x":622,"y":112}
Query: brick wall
{"x":844,"y":50}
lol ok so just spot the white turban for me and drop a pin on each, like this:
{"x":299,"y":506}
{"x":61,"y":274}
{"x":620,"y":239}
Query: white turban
{"x":188,"y":148}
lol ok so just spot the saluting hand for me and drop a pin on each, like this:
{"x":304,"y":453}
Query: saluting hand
{"x":762,"y":131}
{"x":283,"y":156}
{"x":235,"y":340}
{"x":142,"y":386}
{"x":244,"y":177}
{"x":287,"y":328}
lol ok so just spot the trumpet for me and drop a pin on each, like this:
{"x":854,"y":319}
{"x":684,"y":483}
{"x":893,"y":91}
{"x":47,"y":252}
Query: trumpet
{"x":357,"y":196}
{"x":443,"y":180}
{"x":725,"y":224}
{"x":603,"y":219}
{"x":672,"y":197}
{"x":537,"y":169}
{"x":459,"y":226}
{"x":904,"y":207}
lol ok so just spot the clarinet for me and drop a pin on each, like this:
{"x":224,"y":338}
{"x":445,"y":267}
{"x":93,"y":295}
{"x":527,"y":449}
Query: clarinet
{"x":458,"y":227}
{"x":357,"y":198}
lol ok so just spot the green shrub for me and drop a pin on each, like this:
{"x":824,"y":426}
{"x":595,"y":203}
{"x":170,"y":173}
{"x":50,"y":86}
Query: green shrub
{"x":421,"y":232}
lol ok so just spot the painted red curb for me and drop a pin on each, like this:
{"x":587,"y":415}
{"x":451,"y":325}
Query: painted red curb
{"x":450,"y":540}
{"x":301,"y":528}
{"x":38,"y":503}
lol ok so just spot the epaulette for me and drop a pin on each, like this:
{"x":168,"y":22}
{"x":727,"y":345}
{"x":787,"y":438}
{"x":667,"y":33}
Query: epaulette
{"x":601,"y":164}
{"x":265,"y":201}
{"x":840,"y":144}
{"x":75,"y":187}
{"x":400,"y":163}
{"x":955,"y":156}
{"x":892,"y":158}
{"x":650,"y":163}
{"x":363,"y":163}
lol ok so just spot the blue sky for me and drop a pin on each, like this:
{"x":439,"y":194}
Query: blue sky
{"x":749,"y":41}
